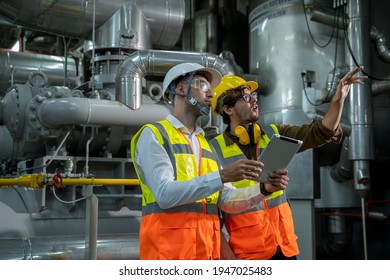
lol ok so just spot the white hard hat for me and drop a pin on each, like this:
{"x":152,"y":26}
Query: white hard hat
{"x":212,"y":76}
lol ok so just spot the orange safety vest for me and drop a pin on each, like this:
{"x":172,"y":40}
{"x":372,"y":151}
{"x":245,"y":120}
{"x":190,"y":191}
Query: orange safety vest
{"x":257,"y":233}
{"x":190,"y":231}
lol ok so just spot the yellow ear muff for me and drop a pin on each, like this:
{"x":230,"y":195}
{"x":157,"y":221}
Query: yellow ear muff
{"x":256,"y":132}
{"x":244,"y":135}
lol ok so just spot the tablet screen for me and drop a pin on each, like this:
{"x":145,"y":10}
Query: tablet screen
{"x":277,"y":154}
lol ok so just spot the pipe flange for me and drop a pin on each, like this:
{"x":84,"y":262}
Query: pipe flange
{"x":155,"y":92}
{"x":36,"y":127}
{"x":14,"y":106}
{"x":38,"y":79}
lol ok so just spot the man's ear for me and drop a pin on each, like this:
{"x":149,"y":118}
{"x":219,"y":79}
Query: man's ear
{"x":181,"y":89}
{"x":227,"y":109}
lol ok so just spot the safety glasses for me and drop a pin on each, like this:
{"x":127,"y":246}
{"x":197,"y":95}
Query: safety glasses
{"x":201,"y":84}
{"x":246,"y":97}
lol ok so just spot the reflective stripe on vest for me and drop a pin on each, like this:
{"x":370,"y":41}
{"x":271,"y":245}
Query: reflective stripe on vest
{"x":187,"y":208}
{"x":179,"y":148}
{"x":257,"y":234}
{"x":271,"y":203}
{"x":189,"y":231}
{"x":232,"y":153}
{"x":259,"y":207}
{"x":177,"y":145}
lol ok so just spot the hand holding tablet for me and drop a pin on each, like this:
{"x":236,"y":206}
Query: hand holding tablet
{"x":277,"y":154}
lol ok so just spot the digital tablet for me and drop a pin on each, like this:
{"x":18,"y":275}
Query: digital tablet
{"x":277,"y":154}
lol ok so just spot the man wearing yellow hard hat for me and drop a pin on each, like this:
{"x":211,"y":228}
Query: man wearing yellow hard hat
{"x":267,"y":230}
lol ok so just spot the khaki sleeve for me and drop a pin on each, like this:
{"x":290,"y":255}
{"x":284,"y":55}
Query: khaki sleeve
{"x":313,"y":135}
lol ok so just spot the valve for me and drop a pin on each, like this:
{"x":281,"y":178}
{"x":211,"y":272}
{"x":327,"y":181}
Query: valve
{"x":57,"y":180}
{"x":364,"y":181}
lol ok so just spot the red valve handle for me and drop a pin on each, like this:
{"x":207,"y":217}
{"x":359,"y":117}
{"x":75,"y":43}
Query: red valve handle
{"x":57,"y":180}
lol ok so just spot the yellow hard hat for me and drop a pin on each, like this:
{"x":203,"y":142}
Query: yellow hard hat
{"x":229,"y":82}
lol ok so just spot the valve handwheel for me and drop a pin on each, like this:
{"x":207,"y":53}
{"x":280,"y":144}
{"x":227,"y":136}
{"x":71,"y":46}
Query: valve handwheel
{"x":57,"y":180}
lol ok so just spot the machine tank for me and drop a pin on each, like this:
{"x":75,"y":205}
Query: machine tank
{"x":281,"y":51}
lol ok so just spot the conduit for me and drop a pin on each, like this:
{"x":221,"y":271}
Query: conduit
{"x":76,"y":111}
{"x":40,"y":180}
{"x":136,"y":66}
{"x":109,"y":247}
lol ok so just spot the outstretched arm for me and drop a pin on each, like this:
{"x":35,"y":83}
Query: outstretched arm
{"x":332,"y":118}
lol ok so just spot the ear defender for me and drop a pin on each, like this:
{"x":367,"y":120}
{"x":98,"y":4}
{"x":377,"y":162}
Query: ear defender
{"x":248,"y":136}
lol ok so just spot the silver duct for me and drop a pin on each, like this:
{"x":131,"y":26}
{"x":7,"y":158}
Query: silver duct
{"x":361,"y":142}
{"x":381,"y":43}
{"x":54,"y":113}
{"x":109,"y":247}
{"x":82,"y":111}
{"x":55,"y":107}
{"x":380,"y":87}
{"x":324,"y":17}
{"x":16,"y":68}
{"x":74,"y":19}
{"x":140,"y":63}
{"x":343,"y":170}
{"x":332,"y":81}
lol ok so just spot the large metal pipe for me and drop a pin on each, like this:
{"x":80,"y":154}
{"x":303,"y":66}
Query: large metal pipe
{"x":360,"y":100}
{"x":139,"y":64}
{"x":109,"y":247}
{"x":54,"y":113}
{"x":16,"y":67}
{"x":75,"y":18}
{"x":361,"y":147}
{"x":55,"y":107}
{"x":381,"y":43}
{"x":343,"y":170}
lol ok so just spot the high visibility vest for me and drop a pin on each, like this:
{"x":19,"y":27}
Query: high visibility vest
{"x":256,"y":233}
{"x":190,"y":231}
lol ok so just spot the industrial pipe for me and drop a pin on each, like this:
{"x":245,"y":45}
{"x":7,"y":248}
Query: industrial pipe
{"x":109,"y":247}
{"x":381,"y":43}
{"x":74,"y":19}
{"x":40,"y":180}
{"x":136,"y":66}
{"x":55,"y":113}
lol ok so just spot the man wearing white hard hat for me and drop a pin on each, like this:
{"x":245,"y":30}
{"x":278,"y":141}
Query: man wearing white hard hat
{"x":182,"y":185}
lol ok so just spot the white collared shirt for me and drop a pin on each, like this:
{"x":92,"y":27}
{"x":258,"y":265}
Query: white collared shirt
{"x":156,"y":171}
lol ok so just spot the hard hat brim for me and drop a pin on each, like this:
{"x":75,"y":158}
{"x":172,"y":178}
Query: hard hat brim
{"x":212,"y":76}
{"x":228,"y":85}
{"x":252,"y":84}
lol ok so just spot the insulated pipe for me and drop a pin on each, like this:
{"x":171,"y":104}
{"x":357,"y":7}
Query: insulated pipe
{"x":55,"y":113}
{"x":381,"y":43}
{"x":326,"y":18}
{"x":109,"y":247}
{"x":73,"y":19}
{"x":361,"y":148}
{"x":157,"y":62}
{"x":91,"y":226}
{"x":380,"y":87}
{"x":360,"y":104}
{"x":16,"y":67}
{"x":332,"y":82}
{"x":343,"y":170}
